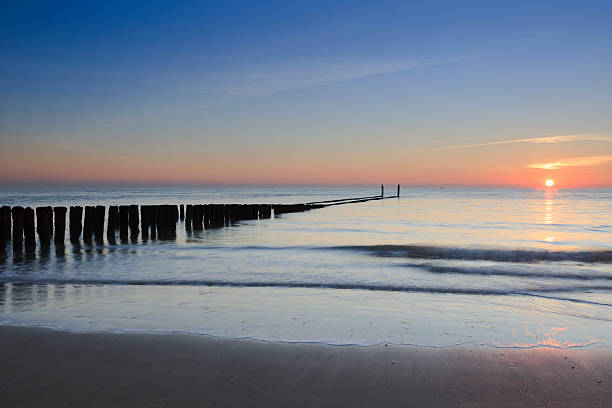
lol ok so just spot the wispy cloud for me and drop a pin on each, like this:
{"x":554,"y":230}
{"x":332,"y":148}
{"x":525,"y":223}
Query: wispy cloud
{"x":572,"y":162}
{"x":595,"y":137}
{"x":245,"y":83}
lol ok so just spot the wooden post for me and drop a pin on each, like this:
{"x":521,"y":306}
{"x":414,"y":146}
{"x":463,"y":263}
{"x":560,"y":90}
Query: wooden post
{"x":88,"y":223}
{"x":49,"y":212}
{"x":144,"y":220}
{"x":60,"y":225}
{"x":398,"y":190}
{"x":198,"y":215}
{"x":113,"y":222}
{"x":124,"y":218}
{"x":153,"y":220}
{"x":5,"y":225}
{"x":17,"y":215}
{"x":134,"y":221}
{"x":161,"y":221}
{"x":382,"y":190}
{"x":213,"y":215}
{"x":174,"y":217}
{"x":76,"y":215}
{"x":188,"y":217}
{"x":206,"y":215}
{"x":28,"y":227}
{"x":182,"y":210}
{"x":99,"y":223}
{"x":43,"y":227}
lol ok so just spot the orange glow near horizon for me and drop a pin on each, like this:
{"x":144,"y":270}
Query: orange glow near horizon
{"x":46,"y":162}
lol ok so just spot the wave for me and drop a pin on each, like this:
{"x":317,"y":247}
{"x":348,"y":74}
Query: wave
{"x":482,"y":254}
{"x":492,"y":271}
{"x":438,"y":252}
{"x":536,"y":291}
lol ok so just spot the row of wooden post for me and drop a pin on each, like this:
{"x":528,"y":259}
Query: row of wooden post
{"x":17,"y":224}
{"x":198,"y":217}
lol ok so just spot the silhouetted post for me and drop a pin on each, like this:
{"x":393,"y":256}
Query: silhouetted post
{"x":220,"y":214}
{"x":60,"y":225}
{"x":43,"y":227}
{"x":17,"y":215}
{"x":153,"y":215}
{"x":134,"y":221}
{"x":99,"y":223}
{"x":76,"y":216}
{"x":174,"y":217}
{"x":182,"y":211}
{"x":398,"y":190}
{"x":161,"y":221}
{"x":28,"y":227}
{"x":88,"y":223}
{"x":198,"y":212}
{"x":113,"y":222}
{"x":5,"y":225}
{"x":206,"y":216}
{"x":49,"y":213}
{"x":144,"y":220}
{"x":213,"y":215}
{"x":188,"y":217}
{"x":382,"y":190}
{"x":124,"y":218}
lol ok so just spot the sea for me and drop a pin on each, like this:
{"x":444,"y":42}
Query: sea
{"x":436,"y":267}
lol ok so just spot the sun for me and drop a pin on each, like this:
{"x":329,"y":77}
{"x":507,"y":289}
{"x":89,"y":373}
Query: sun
{"x":550,"y":183}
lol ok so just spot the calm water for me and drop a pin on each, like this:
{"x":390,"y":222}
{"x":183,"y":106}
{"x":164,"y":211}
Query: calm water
{"x":503,"y":268}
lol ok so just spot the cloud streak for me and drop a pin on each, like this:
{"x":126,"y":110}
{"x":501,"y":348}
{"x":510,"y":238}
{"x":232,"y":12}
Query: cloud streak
{"x":581,"y":137}
{"x":245,"y":83}
{"x":586,"y":161}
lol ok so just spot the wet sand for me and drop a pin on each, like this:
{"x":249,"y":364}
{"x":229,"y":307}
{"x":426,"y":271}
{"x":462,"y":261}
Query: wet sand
{"x":48,"y":368}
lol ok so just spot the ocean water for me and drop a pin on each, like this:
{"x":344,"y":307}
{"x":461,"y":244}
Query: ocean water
{"x":434,"y":268}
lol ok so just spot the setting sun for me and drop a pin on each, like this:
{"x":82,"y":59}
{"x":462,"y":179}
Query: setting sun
{"x":550,"y":183}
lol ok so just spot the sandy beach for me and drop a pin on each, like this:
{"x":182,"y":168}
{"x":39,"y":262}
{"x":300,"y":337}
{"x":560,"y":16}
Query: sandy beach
{"x":43,"y":367}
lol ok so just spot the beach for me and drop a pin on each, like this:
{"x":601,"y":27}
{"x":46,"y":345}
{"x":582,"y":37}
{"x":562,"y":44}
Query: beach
{"x":45,"y":367}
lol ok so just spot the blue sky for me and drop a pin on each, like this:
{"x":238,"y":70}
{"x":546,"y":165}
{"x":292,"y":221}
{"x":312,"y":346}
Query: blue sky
{"x":274,"y":85}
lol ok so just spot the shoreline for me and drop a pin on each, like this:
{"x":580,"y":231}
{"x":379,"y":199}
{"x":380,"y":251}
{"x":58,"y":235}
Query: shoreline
{"x":593,"y":345}
{"x":50,"y":367}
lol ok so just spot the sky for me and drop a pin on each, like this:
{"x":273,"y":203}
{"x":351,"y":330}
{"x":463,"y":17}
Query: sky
{"x":314,"y":92}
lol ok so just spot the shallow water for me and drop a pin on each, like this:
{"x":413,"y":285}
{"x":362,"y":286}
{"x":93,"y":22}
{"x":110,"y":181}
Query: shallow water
{"x":495,"y":267}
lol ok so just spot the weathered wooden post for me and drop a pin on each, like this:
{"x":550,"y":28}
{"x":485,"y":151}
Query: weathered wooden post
{"x":50,"y":220}
{"x":188,"y":217}
{"x":198,"y":212}
{"x":5,"y":225}
{"x":17,"y":215}
{"x":88,"y":223}
{"x":60,"y":225}
{"x":215,"y":213}
{"x":134,"y":221}
{"x":162,"y":220}
{"x":174,"y":217}
{"x":144,"y":220}
{"x":28,"y":228}
{"x":382,"y":190}
{"x":398,"y":190}
{"x":182,"y":211}
{"x":153,"y":220}
{"x":113,"y":222}
{"x":76,"y":215}
{"x":99,"y":223}
{"x":123,"y":221}
{"x":42,"y":226}
{"x":206,"y":216}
